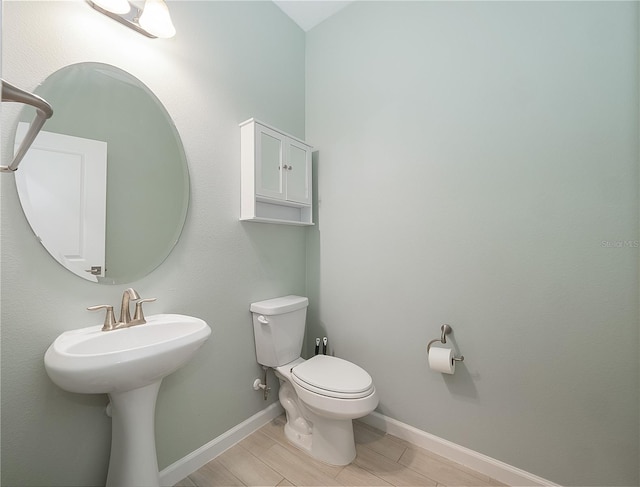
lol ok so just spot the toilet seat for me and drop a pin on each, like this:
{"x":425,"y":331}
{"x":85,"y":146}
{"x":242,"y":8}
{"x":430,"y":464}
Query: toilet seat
{"x":332,"y":377}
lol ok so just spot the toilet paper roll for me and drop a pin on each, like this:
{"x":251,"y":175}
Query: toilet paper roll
{"x":441,"y":360}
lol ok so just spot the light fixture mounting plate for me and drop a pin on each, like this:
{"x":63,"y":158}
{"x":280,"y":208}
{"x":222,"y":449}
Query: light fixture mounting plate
{"x":129,"y":19}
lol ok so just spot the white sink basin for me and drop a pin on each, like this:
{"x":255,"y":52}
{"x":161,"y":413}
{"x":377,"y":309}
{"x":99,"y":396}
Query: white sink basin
{"x":89,"y":360}
{"x":129,"y":365}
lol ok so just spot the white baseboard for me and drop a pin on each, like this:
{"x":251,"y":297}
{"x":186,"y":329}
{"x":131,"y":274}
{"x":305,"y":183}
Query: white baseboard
{"x":488,"y":466}
{"x":175,"y":472}
{"x":483,"y":464}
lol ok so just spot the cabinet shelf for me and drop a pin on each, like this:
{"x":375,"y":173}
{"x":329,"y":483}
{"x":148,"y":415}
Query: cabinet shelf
{"x":276,"y":221}
{"x":275,"y":176}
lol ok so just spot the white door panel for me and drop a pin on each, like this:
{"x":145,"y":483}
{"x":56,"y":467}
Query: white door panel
{"x":76,"y":200}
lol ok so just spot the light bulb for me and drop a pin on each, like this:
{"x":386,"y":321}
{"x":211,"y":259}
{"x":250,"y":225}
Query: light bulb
{"x":115,"y":6}
{"x":155,"y":19}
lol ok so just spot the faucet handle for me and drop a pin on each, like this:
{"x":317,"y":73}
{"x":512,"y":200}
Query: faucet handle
{"x":139,"y":315}
{"x":109,"y":319}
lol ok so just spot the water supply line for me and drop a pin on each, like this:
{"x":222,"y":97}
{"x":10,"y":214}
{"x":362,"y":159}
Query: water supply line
{"x":257,"y":385}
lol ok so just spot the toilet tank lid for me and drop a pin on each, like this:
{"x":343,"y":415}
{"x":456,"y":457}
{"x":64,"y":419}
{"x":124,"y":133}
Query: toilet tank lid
{"x":278,"y":306}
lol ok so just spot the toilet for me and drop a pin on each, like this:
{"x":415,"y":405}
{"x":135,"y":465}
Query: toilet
{"x":322,"y":395}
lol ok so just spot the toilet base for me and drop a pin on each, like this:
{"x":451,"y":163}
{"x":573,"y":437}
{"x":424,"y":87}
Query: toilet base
{"x":331,"y":440}
{"x":299,"y":440}
{"x":328,"y":440}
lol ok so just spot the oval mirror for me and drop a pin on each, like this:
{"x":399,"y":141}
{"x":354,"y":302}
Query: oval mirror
{"x":105,"y":186}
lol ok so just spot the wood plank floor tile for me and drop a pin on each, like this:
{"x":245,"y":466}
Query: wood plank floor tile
{"x":275,"y":430}
{"x":185,"y":482}
{"x":378,"y":441}
{"x":388,"y":470}
{"x":267,"y":458}
{"x":353,"y":475}
{"x":442,"y":472}
{"x":248,"y":468}
{"x":468,"y":470}
{"x":214,"y":474}
{"x":304,"y":457}
{"x":257,"y":442}
{"x":496,"y":483}
{"x":287,"y":463}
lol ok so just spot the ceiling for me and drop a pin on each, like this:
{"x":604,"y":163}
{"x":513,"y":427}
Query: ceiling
{"x":309,"y":13}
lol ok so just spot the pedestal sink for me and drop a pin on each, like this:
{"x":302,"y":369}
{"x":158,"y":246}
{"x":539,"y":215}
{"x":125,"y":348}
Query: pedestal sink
{"x":128,"y":364}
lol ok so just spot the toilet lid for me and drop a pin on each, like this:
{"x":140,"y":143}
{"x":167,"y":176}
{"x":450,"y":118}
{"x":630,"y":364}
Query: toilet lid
{"x":332,"y":376}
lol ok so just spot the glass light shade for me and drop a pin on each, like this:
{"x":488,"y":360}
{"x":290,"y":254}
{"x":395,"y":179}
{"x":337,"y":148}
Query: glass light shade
{"x":155,"y":19}
{"x":115,"y":6}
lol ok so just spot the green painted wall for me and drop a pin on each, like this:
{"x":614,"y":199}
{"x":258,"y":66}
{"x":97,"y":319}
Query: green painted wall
{"x":229,"y":61}
{"x":479,"y":167}
{"x":476,"y":160}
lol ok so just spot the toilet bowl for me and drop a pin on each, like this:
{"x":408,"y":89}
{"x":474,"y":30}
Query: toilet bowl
{"x":321,"y":396}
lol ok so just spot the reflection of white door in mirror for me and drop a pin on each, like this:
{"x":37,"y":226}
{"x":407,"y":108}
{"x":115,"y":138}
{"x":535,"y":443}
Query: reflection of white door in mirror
{"x":63,"y":179}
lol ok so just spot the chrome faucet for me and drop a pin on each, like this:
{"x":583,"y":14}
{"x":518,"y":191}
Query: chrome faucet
{"x":125,"y":312}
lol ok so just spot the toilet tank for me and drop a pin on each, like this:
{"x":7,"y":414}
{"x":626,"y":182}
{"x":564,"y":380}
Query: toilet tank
{"x":278,"y":327}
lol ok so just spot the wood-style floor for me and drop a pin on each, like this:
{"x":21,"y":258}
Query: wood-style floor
{"x":266,"y":458}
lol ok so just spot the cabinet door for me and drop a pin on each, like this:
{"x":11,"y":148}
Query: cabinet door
{"x":269,"y":163}
{"x":298,"y":173}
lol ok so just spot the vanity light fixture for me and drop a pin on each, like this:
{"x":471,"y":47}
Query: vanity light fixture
{"x":152,"y":20}
{"x":115,"y":6}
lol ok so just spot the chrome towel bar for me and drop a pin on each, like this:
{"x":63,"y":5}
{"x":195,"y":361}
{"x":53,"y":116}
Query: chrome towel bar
{"x":43,"y":112}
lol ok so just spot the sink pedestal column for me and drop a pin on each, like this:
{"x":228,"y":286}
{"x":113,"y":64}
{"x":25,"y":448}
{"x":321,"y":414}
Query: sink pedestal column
{"x":133,"y":460}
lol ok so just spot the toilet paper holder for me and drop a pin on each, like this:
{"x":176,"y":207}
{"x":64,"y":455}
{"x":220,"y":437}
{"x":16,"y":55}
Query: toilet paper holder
{"x":446,"y":329}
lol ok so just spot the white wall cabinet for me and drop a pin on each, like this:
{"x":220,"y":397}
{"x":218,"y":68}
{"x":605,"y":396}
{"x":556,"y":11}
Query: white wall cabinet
{"x":275,"y":176}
